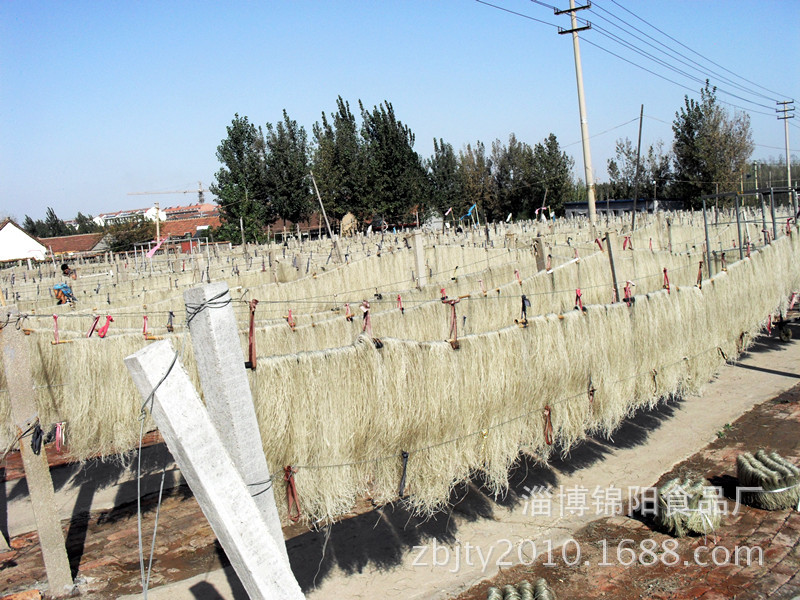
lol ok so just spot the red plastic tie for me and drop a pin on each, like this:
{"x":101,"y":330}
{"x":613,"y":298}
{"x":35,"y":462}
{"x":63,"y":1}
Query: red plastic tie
{"x":348,"y":313}
{"x":578,"y":301}
{"x":290,"y":320}
{"x":400,"y":304}
{"x":55,"y":328}
{"x":144,"y":328}
{"x":666,"y":280}
{"x":548,"y":426}
{"x":599,"y":244}
{"x":104,"y":329}
{"x":627,"y":242}
{"x":548,"y":267}
{"x":629,"y":299}
{"x":769,"y":325}
{"x":651,"y":244}
{"x":453,"y":318}
{"x":516,"y":274}
{"x":291,"y":493}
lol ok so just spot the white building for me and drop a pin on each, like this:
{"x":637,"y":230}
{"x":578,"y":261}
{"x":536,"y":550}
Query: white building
{"x":123,"y":216}
{"x":16,"y":244}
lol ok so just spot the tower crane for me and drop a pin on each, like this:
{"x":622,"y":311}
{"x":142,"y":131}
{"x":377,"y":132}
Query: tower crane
{"x":200,"y":200}
{"x":199,"y":191}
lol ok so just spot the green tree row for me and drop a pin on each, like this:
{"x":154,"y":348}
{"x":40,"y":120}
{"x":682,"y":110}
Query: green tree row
{"x":369,"y":167}
{"x":52,"y":226}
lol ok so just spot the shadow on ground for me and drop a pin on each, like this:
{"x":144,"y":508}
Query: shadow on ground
{"x":382,"y":537}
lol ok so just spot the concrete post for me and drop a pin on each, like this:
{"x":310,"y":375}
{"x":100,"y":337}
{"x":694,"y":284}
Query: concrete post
{"x":17,"y":365}
{"x":419,"y":256}
{"x":211,"y":474}
{"x":541,"y":252}
{"x":220,"y":364}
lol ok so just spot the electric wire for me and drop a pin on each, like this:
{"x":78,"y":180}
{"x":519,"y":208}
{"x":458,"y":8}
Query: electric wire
{"x":680,"y":57}
{"x":695,"y":52}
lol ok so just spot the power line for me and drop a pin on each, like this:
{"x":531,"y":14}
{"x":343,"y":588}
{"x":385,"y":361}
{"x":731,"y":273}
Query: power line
{"x":604,"y":132}
{"x":697,"y":53}
{"x":524,"y":16}
{"x":665,"y":64}
{"x":683,"y":58}
{"x":659,"y":75}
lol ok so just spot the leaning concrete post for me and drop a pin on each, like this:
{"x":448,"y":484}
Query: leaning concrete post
{"x":17,"y":364}
{"x":221,"y":492}
{"x":220,"y":364}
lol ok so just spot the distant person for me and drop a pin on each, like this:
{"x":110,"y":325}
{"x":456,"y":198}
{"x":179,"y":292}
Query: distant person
{"x":66,"y":271}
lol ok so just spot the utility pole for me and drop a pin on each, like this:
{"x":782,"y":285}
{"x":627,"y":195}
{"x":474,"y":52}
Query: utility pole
{"x":636,"y":176}
{"x":785,"y":116}
{"x":587,"y":153}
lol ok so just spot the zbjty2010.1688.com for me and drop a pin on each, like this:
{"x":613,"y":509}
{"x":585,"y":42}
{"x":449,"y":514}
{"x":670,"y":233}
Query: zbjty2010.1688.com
{"x":625,"y":552}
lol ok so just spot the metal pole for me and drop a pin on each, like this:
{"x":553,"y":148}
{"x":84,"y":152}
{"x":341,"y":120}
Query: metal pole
{"x":708,"y":242}
{"x":738,"y":227}
{"x":763,"y":217}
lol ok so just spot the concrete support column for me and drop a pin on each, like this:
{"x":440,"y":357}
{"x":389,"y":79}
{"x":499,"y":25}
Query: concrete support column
{"x":203,"y":459}
{"x":17,"y":365}
{"x":223,"y":377}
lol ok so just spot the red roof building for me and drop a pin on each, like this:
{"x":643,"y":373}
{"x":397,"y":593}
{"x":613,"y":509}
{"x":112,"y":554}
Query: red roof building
{"x":76,"y":244}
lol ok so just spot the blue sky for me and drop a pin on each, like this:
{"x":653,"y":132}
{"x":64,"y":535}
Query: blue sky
{"x":100,"y":99}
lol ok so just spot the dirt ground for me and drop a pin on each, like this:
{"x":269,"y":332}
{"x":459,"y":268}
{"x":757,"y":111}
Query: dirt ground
{"x":103,"y":546}
{"x":598,"y":573}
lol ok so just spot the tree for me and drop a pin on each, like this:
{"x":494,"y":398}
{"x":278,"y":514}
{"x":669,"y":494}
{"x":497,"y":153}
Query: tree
{"x":31,"y":226}
{"x":241,"y":185}
{"x":394,"y":175}
{"x":653,"y":166}
{"x":512,"y":178}
{"x":444,"y":182}
{"x":287,"y":170}
{"x":85,"y":224}
{"x":52,"y":226}
{"x":552,"y":172}
{"x":711,"y":146}
{"x":475,"y":169}
{"x":124,"y":236}
{"x":339,"y":163}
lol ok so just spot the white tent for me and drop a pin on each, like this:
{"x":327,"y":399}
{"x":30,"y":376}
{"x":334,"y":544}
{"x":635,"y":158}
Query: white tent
{"x":16,"y":244}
